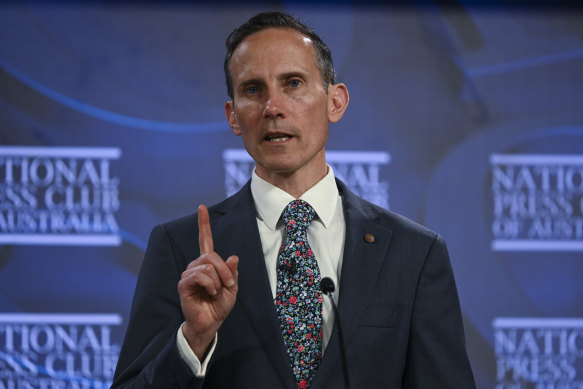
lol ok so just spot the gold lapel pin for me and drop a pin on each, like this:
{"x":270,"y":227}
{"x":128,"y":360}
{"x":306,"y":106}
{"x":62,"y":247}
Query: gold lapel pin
{"x":369,"y":238}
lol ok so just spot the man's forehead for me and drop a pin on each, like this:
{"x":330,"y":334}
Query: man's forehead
{"x":284,"y":35}
{"x":273,"y":52}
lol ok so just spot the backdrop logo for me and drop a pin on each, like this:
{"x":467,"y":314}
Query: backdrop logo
{"x":57,"y":350}
{"x":360,"y":170}
{"x":538,"y":353}
{"x":538,"y":202}
{"x":58,"y":195}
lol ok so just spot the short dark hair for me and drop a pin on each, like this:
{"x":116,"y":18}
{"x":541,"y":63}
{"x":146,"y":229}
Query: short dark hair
{"x":265,"y":20}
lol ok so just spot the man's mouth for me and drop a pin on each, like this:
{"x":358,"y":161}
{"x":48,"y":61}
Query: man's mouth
{"x":277,"y":138}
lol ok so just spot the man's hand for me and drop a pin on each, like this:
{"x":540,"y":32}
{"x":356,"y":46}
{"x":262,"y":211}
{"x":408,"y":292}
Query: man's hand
{"x":208,"y":288}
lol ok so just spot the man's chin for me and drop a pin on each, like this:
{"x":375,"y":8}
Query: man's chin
{"x":283,"y":169}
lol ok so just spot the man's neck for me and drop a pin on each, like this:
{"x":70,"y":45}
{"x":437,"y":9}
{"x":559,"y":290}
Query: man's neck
{"x":294,"y":183}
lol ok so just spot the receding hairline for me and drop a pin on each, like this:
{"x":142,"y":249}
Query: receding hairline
{"x":280,"y":20}
{"x":302,"y":36}
{"x":306,"y":39}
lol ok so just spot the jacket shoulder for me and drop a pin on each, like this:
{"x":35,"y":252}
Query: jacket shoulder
{"x":185,"y":229}
{"x":393,"y":221}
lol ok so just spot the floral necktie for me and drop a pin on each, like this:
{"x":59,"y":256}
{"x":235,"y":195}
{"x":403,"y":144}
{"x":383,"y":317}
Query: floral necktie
{"x":298,"y":298}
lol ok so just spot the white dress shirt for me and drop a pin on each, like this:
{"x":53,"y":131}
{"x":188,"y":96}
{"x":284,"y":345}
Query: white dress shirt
{"x":325,"y":236}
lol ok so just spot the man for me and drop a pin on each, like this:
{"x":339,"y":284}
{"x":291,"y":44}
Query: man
{"x":258,"y":319}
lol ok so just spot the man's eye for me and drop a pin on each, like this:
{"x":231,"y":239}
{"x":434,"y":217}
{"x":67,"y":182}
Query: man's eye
{"x":294,"y":83}
{"x":252,"y":90}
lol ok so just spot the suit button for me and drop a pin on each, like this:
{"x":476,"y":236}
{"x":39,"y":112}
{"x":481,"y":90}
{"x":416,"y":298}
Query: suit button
{"x":369,"y":238}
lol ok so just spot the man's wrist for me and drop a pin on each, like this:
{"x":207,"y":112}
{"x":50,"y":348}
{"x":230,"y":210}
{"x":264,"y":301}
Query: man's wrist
{"x":199,"y":342}
{"x":196,"y":365}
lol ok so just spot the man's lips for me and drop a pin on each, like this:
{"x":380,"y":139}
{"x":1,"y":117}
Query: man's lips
{"x":277,"y":137}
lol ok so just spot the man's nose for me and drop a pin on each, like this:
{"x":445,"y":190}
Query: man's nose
{"x":274,"y":105}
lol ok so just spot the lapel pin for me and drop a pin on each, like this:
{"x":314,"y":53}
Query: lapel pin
{"x":369,"y":238}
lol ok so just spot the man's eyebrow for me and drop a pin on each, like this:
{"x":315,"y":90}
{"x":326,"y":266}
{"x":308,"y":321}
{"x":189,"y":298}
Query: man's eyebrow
{"x":250,"y":81}
{"x":293,"y":74}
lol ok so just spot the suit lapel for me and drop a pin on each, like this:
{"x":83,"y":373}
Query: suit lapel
{"x":239,"y":235}
{"x":361,"y":267}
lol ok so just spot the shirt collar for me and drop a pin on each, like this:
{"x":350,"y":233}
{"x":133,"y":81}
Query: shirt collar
{"x":270,"y":200}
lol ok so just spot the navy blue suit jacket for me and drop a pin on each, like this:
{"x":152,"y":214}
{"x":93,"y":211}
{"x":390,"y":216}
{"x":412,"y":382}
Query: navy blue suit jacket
{"x":398,"y":305}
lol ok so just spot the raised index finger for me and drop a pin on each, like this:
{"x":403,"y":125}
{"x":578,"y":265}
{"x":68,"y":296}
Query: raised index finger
{"x":205,"y":236}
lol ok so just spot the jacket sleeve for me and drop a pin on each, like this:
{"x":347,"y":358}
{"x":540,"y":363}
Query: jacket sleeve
{"x":436,"y":354}
{"x":149,"y":357}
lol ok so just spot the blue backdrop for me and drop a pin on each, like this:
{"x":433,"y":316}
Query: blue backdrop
{"x":466,"y":118}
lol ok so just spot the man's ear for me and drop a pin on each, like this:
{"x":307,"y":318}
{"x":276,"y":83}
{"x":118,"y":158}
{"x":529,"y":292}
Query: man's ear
{"x":232,"y":118}
{"x":337,"y":101}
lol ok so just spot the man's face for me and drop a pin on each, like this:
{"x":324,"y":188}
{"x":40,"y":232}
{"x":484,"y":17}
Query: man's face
{"x":280,"y":106}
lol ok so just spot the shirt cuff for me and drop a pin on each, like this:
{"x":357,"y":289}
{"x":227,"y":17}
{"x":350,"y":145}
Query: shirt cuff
{"x":188,"y":356}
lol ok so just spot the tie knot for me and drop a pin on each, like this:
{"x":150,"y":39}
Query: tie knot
{"x":297,"y":215}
